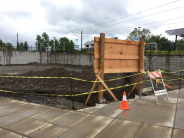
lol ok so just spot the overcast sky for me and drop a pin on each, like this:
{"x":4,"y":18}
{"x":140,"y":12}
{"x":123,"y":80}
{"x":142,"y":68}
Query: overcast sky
{"x":59,"y":18}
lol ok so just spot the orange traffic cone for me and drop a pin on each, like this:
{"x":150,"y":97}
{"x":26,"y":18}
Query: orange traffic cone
{"x":124,"y":105}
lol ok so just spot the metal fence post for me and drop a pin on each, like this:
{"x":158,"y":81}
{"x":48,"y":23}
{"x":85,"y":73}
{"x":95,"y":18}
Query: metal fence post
{"x":180,"y":79}
{"x":72,"y":94}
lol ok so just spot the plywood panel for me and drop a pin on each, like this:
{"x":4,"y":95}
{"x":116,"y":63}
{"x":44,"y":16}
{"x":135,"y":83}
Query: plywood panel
{"x":117,"y":64}
{"x":110,"y":40}
{"x":121,"y":56}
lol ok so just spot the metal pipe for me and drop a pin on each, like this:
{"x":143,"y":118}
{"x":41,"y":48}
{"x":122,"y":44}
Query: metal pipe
{"x":72,"y":94}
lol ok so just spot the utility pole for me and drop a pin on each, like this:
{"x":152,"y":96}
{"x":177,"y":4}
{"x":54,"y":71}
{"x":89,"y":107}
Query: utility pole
{"x":17,"y":41}
{"x":81,"y":40}
{"x":54,"y":44}
{"x":64,"y":47}
{"x":37,"y":44}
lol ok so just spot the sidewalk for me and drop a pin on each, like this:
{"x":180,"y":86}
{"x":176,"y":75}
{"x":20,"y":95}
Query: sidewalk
{"x":146,"y":119}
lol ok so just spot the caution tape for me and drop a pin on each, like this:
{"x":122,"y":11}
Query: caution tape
{"x":73,"y":94}
{"x":172,"y":72}
{"x":85,"y":92}
{"x":69,"y":77}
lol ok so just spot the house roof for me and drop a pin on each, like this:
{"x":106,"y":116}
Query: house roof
{"x":179,"y":32}
{"x":89,"y":42}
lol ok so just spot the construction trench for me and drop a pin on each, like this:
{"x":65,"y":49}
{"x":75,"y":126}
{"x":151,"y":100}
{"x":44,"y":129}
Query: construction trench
{"x":63,"y":86}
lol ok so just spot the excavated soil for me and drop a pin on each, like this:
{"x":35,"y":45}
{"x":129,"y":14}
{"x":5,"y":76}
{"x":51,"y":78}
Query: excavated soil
{"x":63,"y":86}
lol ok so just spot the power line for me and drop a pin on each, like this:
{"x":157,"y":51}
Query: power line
{"x":145,"y":24}
{"x":129,"y":15}
{"x":154,"y":26}
{"x":140,"y":17}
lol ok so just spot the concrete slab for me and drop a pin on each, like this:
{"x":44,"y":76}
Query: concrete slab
{"x":178,"y":133}
{"x":15,"y":110}
{"x":8,"y":134}
{"x":28,"y":126}
{"x":9,"y":105}
{"x":49,"y":131}
{"x":72,"y":119}
{"x":181,"y":97}
{"x":89,"y":128}
{"x":4,"y":101}
{"x":179,"y":116}
{"x":173,"y":96}
{"x":53,"y":115}
{"x":111,"y":110}
{"x":120,"y":128}
{"x":162,"y":114}
{"x":92,"y":110}
{"x":139,"y":111}
{"x":15,"y":119}
{"x":152,"y":131}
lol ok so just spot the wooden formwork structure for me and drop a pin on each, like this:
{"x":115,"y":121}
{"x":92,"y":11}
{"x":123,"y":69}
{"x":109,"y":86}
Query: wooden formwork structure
{"x":117,"y":56}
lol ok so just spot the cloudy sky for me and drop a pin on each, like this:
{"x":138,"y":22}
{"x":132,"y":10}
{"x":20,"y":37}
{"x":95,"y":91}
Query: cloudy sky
{"x":67,"y":18}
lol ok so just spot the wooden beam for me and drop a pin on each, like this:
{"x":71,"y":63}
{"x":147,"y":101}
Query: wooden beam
{"x":141,"y":64}
{"x":102,"y":51}
{"x":132,"y":90}
{"x":94,"y":84}
{"x":106,"y":87}
{"x":89,"y":95}
{"x":165,"y":84}
{"x":110,"y":40}
{"x":117,"y":56}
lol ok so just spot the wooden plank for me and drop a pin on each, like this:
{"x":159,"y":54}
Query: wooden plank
{"x":106,"y":87}
{"x":166,"y":84}
{"x":128,"y":70}
{"x":94,"y":84}
{"x":120,"y":64}
{"x":97,"y":47}
{"x":127,"y":42}
{"x":102,"y":49}
{"x":117,"y":57}
{"x":141,"y":64}
{"x":131,"y":90}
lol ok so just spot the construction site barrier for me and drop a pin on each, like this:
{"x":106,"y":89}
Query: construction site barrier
{"x":29,"y":77}
{"x":69,"y":77}
{"x":85,"y":92}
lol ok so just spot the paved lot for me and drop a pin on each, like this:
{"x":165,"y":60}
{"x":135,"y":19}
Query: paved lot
{"x":146,"y":119}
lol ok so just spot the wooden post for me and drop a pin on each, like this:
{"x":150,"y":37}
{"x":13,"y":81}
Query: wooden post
{"x":102,"y":51}
{"x":141,"y":64}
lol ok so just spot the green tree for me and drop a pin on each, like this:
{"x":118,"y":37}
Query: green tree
{"x":71,"y":44}
{"x":25,"y":45}
{"x":9,"y":46}
{"x":180,"y":45}
{"x":63,"y":42}
{"x":21,"y":46}
{"x":45,"y":38}
{"x":158,"y":39}
{"x":145,"y":33}
{"x":163,"y":43}
{"x":38,"y":42}
{"x":51,"y":43}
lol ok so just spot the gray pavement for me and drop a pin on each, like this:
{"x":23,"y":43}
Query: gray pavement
{"x":146,"y":119}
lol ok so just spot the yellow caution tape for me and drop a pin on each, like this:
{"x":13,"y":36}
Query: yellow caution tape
{"x":69,"y":77}
{"x":86,"y":92}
